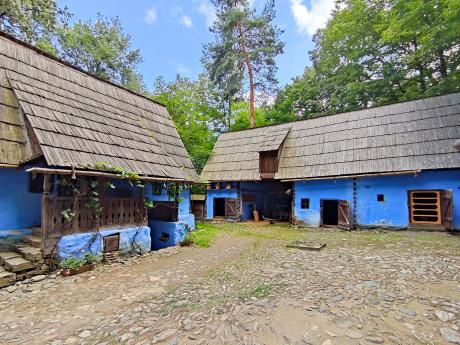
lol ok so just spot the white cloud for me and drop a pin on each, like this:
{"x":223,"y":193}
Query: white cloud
{"x":310,"y":20}
{"x":151,"y":16}
{"x":186,"y":21}
{"x":208,"y":11}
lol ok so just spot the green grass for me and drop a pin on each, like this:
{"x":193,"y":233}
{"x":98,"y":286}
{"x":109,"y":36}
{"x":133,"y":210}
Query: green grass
{"x":441,"y":241}
{"x":204,"y":235}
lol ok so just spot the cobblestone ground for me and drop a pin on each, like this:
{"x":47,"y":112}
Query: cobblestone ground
{"x":366,"y":287}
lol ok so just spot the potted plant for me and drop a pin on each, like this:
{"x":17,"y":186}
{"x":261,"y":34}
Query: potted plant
{"x":73,"y":265}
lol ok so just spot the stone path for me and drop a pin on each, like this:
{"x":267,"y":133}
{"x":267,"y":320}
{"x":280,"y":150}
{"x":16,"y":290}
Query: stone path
{"x":39,"y":312}
{"x":396,"y":293}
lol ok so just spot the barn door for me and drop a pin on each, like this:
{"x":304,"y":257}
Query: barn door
{"x":446,"y":209}
{"x":231,"y":207}
{"x":344,"y":215}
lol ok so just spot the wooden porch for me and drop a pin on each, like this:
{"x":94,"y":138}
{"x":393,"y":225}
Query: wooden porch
{"x":115,"y":212}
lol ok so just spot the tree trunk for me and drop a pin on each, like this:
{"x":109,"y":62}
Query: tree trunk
{"x":442,"y":64}
{"x":251,"y":78}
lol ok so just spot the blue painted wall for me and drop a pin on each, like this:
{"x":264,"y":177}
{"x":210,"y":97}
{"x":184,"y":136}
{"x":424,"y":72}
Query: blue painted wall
{"x":394,"y":210}
{"x":166,"y":234}
{"x":78,"y":244}
{"x":19,"y":209}
{"x":217,"y":193}
{"x":315,"y":191}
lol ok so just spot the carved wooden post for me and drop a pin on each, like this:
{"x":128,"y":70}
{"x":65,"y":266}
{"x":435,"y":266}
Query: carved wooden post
{"x":45,"y":221}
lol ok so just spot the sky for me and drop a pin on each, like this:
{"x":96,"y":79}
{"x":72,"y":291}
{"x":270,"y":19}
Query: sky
{"x":170,"y":33}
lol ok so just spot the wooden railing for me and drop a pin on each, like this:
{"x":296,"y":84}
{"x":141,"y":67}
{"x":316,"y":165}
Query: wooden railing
{"x":116,"y":212}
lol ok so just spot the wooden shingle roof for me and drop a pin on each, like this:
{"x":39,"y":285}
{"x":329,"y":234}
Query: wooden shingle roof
{"x":414,"y":135}
{"x":79,"y":120}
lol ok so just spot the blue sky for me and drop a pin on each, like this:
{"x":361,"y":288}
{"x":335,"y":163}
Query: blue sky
{"x":170,"y":33}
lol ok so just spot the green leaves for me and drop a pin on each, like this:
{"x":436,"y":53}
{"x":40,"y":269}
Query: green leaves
{"x":245,"y":46}
{"x":377,"y":52}
{"x":33,"y":21}
{"x":102,"y":48}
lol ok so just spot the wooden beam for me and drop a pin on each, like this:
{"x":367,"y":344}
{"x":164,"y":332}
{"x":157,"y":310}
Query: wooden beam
{"x":48,"y":171}
{"x":409,"y":172}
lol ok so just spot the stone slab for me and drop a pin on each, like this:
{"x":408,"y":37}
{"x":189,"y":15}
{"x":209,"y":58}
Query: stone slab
{"x":8,"y":255}
{"x":33,"y":241}
{"x":18,"y":264}
{"x":37,"y":232}
{"x":31,"y":253}
{"x":7,"y":278}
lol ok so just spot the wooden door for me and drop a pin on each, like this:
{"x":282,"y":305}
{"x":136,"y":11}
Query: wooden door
{"x":344,"y":221}
{"x":446,"y":209}
{"x":231,"y":207}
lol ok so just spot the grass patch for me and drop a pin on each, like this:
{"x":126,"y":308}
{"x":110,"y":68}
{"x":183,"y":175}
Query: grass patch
{"x":438,"y":241}
{"x":204,"y":235}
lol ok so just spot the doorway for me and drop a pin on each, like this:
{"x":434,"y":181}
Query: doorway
{"x":219,"y":207}
{"x":336,"y":213}
{"x":330,"y":214}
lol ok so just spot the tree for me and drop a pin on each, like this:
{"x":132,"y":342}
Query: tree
{"x":245,"y":41}
{"x":298,"y":100}
{"x":188,"y":104}
{"x":104,"y":49}
{"x":376,"y":52}
{"x":33,"y":21}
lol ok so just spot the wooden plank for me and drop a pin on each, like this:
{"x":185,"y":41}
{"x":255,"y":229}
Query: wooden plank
{"x":447,"y":209}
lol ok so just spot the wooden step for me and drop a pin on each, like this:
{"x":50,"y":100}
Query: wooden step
{"x":37,"y":231}
{"x":18,"y":264}
{"x":8,"y":255}
{"x":30,"y":253}
{"x":33,"y":241}
{"x":7,"y":278}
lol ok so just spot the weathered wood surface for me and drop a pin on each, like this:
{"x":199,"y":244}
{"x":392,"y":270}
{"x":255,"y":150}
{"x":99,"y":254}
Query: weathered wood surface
{"x":400,"y":137}
{"x":79,"y":120}
{"x":115,"y":212}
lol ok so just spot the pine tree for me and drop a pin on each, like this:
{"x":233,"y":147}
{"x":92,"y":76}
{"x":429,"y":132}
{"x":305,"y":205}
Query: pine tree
{"x":246,"y":44}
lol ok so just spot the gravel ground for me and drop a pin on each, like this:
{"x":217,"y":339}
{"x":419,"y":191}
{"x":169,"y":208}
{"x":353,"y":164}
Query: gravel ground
{"x":366,"y":287}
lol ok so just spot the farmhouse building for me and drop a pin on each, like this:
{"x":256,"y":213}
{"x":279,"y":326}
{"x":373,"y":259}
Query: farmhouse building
{"x":394,"y":166}
{"x":85,"y":165}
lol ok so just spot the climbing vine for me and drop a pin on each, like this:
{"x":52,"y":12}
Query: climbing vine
{"x":80,"y":187}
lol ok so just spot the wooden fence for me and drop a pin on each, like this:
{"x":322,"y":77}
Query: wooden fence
{"x":116,"y":212}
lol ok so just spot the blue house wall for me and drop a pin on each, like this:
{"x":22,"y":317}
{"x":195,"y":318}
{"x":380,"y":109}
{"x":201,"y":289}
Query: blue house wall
{"x":19,"y":209}
{"x":393,"y":211}
{"x":341,"y":189}
{"x":166,"y":234}
{"x":218,"y":193}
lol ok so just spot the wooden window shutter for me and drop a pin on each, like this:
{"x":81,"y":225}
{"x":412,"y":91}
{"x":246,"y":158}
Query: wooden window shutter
{"x":344,"y":215}
{"x":446,"y":209}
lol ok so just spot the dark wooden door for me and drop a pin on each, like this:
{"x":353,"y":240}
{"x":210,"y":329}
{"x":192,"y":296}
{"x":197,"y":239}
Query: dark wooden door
{"x":231,"y":207}
{"x":446,"y":209}
{"x":344,"y":215}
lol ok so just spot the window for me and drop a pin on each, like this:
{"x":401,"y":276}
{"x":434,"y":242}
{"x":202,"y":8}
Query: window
{"x":36,"y":183}
{"x":166,"y":211}
{"x":268,"y":163}
{"x":380,"y":197}
{"x":305,"y":204}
